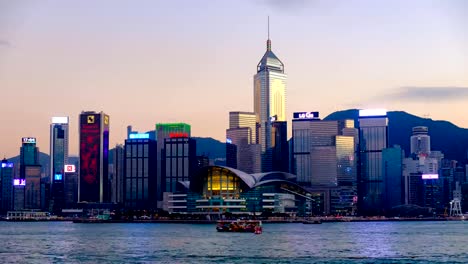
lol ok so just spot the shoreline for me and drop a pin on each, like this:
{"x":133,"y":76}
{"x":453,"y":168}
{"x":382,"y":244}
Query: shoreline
{"x":266,"y":221}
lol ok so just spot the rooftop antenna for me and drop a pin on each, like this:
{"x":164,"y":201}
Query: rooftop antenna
{"x":268,"y":27}
{"x":268,"y":41}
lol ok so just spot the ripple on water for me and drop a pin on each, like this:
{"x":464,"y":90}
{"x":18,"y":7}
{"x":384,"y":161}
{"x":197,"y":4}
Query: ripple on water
{"x":385,"y":242}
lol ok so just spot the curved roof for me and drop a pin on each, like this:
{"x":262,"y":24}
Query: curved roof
{"x":274,"y":175}
{"x":245,"y":177}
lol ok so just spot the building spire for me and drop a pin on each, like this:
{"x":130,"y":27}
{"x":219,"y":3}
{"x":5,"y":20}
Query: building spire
{"x":268,"y":41}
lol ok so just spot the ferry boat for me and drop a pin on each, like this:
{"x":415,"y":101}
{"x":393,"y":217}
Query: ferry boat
{"x":247,"y":226}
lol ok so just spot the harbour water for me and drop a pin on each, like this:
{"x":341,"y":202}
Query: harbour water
{"x":355,"y":242}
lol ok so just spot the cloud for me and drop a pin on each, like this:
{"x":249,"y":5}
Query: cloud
{"x":4,"y":43}
{"x":421,"y":94}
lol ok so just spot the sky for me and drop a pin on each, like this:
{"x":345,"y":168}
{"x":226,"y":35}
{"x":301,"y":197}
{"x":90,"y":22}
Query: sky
{"x":148,"y":62}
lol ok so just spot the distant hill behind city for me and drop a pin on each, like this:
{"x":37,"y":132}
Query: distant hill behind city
{"x":445,"y":136}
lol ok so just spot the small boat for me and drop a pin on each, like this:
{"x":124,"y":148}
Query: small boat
{"x":316,"y":221}
{"x":246,"y":226}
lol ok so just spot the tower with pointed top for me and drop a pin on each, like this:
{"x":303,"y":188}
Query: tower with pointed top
{"x":269,"y":101}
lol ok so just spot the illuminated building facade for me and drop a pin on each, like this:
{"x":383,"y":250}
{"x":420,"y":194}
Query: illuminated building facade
{"x":219,"y":189}
{"x":269,"y":101}
{"x":163,"y":131}
{"x":244,"y":120}
{"x":373,"y":138}
{"x":93,"y":183}
{"x":139,"y":169}
{"x":58,"y":160}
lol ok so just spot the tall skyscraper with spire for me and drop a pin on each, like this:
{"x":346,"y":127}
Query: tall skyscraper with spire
{"x":269,"y":101}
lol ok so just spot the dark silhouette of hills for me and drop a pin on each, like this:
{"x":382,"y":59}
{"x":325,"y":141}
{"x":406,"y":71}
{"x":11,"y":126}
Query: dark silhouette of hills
{"x":210,"y":147}
{"x":445,"y":136}
{"x":43,"y":161}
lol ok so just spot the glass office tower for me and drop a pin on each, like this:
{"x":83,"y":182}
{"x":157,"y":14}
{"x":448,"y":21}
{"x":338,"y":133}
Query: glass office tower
{"x":58,"y":159}
{"x":93,"y":181}
{"x":242,"y":151}
{"x":269,"y":101}
{"x":139,"y":172}
{"x":6,"y":183}
{"x":163,"y":131}
{"x":373,"y":138}
{"x":179,"y":161}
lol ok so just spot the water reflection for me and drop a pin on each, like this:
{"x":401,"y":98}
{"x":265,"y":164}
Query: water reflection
{"x":382,"y":242}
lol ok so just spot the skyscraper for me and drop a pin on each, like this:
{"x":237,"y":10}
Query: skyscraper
{"x":28,"y":195}
{"x":373,"y":138}
{"x":269,"y":101}
{"x":163,"y":131}
{"x":242,"y":151}
{"x":28,"y":154}
{"x":58,"y":160}
{"x":179,"y":161}
{"x":279,"y":146}
{"x":118,"y":173}
{"x":6,"y":176}
{"x":94,"y":160}
{"x":324,"y":159}
{"x":139,"y":168}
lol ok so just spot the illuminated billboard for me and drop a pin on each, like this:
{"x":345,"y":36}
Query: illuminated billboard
{"x":430,"y":176}
{"x":29,"y":140}
{"x":58,"y":177}
{"x":19,"y":182}
{"x":138,"y":136}
{"x":69,"y":168}
{"x":306,"y":115}
{"x":7,"y":165}
{"x":60,"y":120}
{"x":372,"y":112}
{"x":178,"y":135}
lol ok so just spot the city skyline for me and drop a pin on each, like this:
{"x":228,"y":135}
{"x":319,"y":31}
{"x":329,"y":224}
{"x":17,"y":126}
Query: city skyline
{"x":141,"y":63}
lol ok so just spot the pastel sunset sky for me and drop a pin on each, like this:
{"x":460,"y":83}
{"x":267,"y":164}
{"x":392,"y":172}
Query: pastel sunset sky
{"x":147,"y":62}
